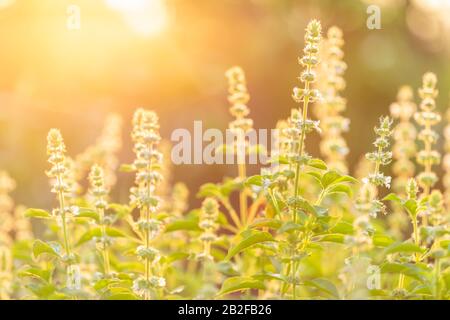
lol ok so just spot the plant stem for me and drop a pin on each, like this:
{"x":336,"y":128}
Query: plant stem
{"x":147,"y":220}
{"x":105,"y":253}
{"x":62,"y":209}
{"x":416,"y":236}
{"x":234,"y":216}
{"x":320,"y":198}
{"x":241,"y":152}
{"x":254,"y":209}
{"x":297,"y":167}
{"x":401,"y":280}
{"x":243,"y":194}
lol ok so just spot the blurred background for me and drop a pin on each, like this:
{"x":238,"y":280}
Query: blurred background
{"x":171,"y":55}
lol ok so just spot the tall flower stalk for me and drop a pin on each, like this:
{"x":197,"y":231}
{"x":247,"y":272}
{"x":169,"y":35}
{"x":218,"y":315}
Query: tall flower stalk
{"x":58,"y":172}
{"x":300,"y":125}
{"x":208,"y":223}
{"x":99,"y":192}
{"x":238,"y":98}
{"x":404,"y":134}
{"x":146,"y":138}
{"x":306,"y":95}
{"x":333,"y":146}
{"x":367,"y":202}
{"x":404,"y":152}
{"x":427,"y":117}
{"x":62,"y":186}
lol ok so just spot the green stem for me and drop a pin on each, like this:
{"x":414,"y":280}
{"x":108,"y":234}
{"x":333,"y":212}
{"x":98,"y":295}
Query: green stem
{"x":320,"y":198}
{"x":297,"y":167}
{"x":146,"y":232}
{"x":62,"y":209}
{"x":105,"y":253}
{"x":234,"y":216}
{"x":416,"y":236}
{"x":243,"y":194}
{"x":401,"y":280}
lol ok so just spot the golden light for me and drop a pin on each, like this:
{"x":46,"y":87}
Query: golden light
{"x":6,"y":3}
{"x":146,"y":17}
{"x":428,"y":20}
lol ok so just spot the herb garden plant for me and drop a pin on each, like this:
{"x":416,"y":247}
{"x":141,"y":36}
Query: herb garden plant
{"x":303,"y":228}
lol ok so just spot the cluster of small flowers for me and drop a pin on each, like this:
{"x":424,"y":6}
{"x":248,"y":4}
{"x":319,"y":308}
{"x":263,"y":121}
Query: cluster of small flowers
{"x":380,"y":157}
{"x":293,"y":130}
{"x":61,"y":176}
{"x":238,"y":98}
{"x":289,"y":136}
{"x":427,"y":117}
{"x":147,"y":165}
{"x":436,"y":210}
{"x":98,"y":191}
{"x":208,"y":223}
{"x":299,"y":124}
{"x":404,"y":148}
{"x":333,"y":146}
{"x":367,"y":201}
{"x":142,"y":286}
{"x":309,"y":61}
{"x":59,"y":170}
{"x":148,"y":160}
{"x":104,"y":151}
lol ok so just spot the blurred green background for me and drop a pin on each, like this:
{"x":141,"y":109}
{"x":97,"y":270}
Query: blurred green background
{"x":172,"y":59}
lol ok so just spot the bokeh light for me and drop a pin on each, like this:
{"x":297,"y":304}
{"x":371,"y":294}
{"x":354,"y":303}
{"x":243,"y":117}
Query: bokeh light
{"x":171,"y":56}
{"x":147,"y":17}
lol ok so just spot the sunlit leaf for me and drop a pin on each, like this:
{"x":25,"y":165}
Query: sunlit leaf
{"x":404,"y":247}
{"x":41,"y":247}
{"x":234,"y":284}
{"x":37,"y":213}
{"x":245,"y":243}
{"x":324,"y":286}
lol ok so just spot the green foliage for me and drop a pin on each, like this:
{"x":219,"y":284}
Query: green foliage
{"x":302,"y":228}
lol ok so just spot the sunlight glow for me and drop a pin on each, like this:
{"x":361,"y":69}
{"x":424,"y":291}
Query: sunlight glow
{"x":146,"y":17}
{"x":6,"y":3}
